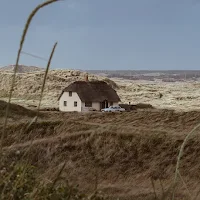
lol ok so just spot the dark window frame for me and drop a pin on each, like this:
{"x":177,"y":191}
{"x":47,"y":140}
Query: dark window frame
{"x":88,"y":104}
{"x":65,"y":103}
{"x":70,"y":93}
{"x":75,"y":103}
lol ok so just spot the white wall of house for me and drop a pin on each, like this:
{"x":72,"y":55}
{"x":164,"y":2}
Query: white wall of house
{"x":95,"y":105}
{"x":115,"y":103}
{"x":80,"y":105}
{"x":70,"y":102}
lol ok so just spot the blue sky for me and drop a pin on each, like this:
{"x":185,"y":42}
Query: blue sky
{"x":105,"y":34}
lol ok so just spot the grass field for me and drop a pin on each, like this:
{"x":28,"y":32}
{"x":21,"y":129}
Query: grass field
{"x":119,"y":153}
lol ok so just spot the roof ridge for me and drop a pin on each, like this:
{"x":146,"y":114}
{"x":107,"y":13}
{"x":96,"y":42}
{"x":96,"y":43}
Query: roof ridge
{"x":93,"y":91}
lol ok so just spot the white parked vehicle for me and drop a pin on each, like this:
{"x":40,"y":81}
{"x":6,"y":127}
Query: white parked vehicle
{"x":113,"y":109}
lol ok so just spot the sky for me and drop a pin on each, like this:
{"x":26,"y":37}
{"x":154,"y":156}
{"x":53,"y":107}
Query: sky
{"x":104,"y":34}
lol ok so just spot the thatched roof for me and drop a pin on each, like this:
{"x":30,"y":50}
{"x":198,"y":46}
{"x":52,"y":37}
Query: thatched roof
{"x":94,"y":91}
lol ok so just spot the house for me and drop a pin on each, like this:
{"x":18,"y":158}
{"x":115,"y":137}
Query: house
{"x":84,"y":95}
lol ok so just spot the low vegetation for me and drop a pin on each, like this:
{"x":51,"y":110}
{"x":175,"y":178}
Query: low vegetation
{"x":112,"y":155}
{"x":21,"y":183}
{"x":131,"y":155}
{"x":16,"y":110}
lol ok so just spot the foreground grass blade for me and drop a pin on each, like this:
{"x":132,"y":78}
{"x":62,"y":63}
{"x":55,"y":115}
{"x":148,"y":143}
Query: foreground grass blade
{"x":43,"y":85}
{"x":185,"y":185}
{"x":179,"y":158}
{"x":45,"y":77}
{"x":33,"y":13}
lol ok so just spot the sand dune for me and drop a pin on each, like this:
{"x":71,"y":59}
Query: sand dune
{"x":175,"y":95}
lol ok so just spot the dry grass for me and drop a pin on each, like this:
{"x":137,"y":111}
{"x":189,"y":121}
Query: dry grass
{"x":179,"y":158}
{"x":105,"y":151}
{"x":118,"y":161}
{"x":101,"y":149}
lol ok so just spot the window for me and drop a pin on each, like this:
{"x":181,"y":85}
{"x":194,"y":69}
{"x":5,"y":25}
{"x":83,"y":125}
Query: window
{"x":75,"y":103}
{"x":111,"y":103}
{"x":65,"y":103}
{"x":88,"y":104}
{"x":70,"y":93}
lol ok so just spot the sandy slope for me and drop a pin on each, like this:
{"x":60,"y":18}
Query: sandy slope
{"x":176,"y":95}
{"x":28,"y":86}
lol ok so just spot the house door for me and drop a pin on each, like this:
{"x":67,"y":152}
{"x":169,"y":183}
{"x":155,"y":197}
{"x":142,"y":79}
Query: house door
{"x":104,"y":104}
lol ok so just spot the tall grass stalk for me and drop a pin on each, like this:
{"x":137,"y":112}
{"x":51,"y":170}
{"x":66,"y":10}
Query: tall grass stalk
{"x":196,"y":196}
{"x":58,"y":176}
{"x":52,"y":186}
{"x":42,"y":90}
{"x":41,"y":94}
{"x":179,"y":158}
{"x":45,"y":78}
{"x":185,"y":185}
{"x":13,"y":80}
{"x":36,"y":117}
{"x":28,"y":22}
{"x":162,"y":187}
{"x":154,"y":189}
